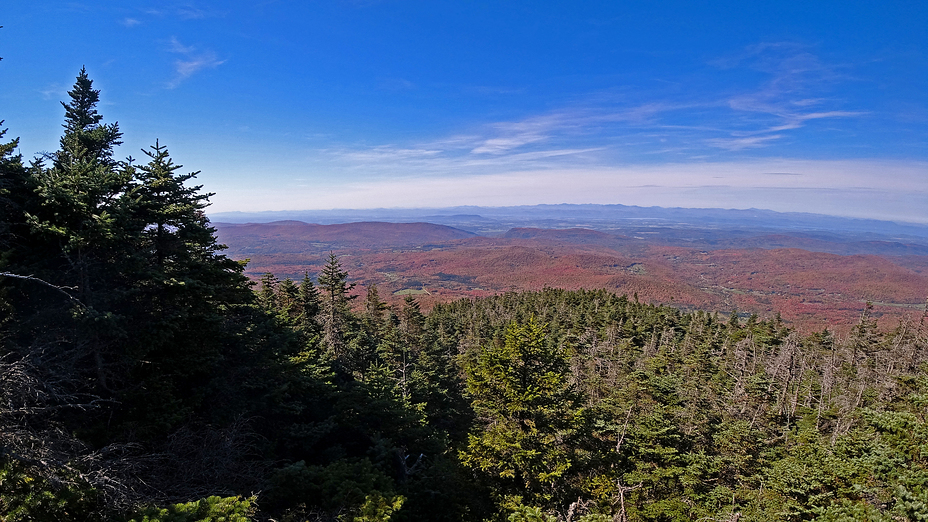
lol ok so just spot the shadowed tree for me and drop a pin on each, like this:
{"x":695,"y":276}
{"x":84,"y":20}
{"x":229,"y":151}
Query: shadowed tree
{"x":333,"y":281}
{"x":186,"y":295}
{"x":72,"y":232}
{"x":310,"y":307}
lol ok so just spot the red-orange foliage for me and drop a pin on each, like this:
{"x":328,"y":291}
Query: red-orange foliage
{"x":811,"y":290}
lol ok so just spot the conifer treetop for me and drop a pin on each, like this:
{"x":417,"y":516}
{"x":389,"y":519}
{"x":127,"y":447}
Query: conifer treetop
{"x":81,"y":113}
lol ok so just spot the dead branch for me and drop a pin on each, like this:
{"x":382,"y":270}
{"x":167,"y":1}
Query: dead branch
{"x":60,"y":289}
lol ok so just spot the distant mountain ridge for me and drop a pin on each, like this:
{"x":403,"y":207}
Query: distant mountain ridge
{"x":718,"y":241}
{"x":498,"y":220}
{"x":294,"y":236}
{"x":280,"y":237}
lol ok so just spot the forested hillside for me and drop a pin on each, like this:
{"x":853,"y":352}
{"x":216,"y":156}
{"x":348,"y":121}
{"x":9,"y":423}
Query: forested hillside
{"x":811,"y":290}
{"x":143,"y":377}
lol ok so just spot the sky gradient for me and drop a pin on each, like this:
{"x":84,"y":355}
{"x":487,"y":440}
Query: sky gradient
{"x":790,"y":106}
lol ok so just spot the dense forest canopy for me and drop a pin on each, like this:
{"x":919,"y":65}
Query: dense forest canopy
{"x":143,"y":377}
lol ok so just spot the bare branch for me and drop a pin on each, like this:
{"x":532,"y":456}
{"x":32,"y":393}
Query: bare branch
{"x":60,"y":289}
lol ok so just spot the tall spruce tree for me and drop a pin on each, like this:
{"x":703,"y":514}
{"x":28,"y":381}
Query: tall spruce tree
{"x":530,"y":413}
{"x":333,"y":281}
{"x":81,"y":194}
{"x":185,"y":295}
{"x":72,"y":225}
{"x":267,"y":292}
{"x":309,"y":304}
{"x":12,"y":173}
{"x":62,"y":223}
{"x":288,"y":302}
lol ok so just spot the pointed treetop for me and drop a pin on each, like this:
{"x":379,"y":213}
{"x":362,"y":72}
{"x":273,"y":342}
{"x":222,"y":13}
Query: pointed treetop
{"x":86,"y":140}
{"x":81,"y":113}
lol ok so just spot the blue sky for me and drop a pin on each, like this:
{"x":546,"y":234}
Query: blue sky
{"x":791,"y":106}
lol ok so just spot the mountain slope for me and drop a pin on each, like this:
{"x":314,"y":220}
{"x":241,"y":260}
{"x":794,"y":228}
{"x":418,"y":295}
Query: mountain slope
{"x":810,"y":288}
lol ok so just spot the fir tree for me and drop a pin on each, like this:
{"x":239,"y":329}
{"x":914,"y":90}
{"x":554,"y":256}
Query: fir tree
{"x":522,"y":391}
{"x":374,"y":309}
{"x":72,"y":235}
{"x":288,"y":302}
{"x":267,"y":292}
{"x":169,"y":210}
{"x":333,"y":280}
{"x":309,"y":303}
{"x":187,"y":299}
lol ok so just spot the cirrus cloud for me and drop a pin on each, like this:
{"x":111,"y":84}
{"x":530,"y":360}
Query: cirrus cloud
{"x":191,"y":62}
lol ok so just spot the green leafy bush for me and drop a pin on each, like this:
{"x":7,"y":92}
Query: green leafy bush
{"x":210,"y":509}
{"x":28,"y":496}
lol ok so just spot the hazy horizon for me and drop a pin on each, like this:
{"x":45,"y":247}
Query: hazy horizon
{"x":792,"y":107}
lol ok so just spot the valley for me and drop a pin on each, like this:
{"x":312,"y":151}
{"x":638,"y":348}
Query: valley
{"x":813,"y":280}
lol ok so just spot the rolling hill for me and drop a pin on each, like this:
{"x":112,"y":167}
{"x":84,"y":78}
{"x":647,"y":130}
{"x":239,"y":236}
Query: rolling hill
{"x":763,"y":274}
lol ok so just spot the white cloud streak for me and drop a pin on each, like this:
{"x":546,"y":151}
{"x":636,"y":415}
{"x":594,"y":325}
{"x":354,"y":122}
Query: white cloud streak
{"x":54,"y":91}
{"x":754,"y":142}
{"x":668,"y":152}
{"x":784,"y":99}
{"x":192,"y":61}
{"x":690,"y":129}
{"x":184,"y":12}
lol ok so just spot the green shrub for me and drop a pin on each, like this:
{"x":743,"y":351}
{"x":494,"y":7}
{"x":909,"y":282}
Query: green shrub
{"x":26,"y":495}
{"x":211,"y":509}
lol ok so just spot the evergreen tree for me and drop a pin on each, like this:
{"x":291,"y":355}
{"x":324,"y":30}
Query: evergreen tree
{"x":84,"y":137}
{"x":412,"y":324}
{"x":187,"y":301}
{"x":69,"y":231}
{"x":288,"y":302}
{"x":333,"y":281}
{"x":169,"y":210}
{"x":81,"y":194}
{"x":393,"y":353}
{"x":363,"y":352}
{"x":12,"y":177}
{"x":374,"y":309}
{"x":530,"y":414}
{"x":267,"y":292}
{"x":310,"y":306}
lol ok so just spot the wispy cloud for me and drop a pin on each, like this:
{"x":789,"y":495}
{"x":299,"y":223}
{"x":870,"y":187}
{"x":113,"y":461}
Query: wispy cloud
{"x":193,"y":60}
{"x":587,"y":121}
{"x":455,"y":158}
{"x":191,"y":12}
{"x":176,"y":47}
{"x":386,"y":153}
{"x":786,"y":100}
{"x":184,"y":12}
{"x":743,"y":143}
{"x":54,"y":91}
{"x":130,"y":22}
{"x":501,"y":145}
{"x":507,"y":136}
{"x":604,"y":131}
{"x":395,"y":84}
